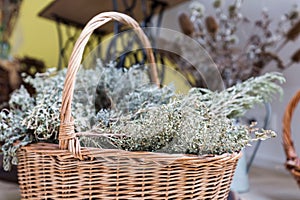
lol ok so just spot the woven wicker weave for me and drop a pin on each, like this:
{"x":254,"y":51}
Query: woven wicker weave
{"x":292,"y":160}
{"x":68,"y":171}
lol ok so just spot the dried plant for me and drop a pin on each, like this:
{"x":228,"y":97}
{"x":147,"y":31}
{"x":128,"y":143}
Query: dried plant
{"x":33,"y":119}
{"x":8,"y":16}
{"x":198,"y":123}
{"x":153,"y":119}
{"x":219,"y":33}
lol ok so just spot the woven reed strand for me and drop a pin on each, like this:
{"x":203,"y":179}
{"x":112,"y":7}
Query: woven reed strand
{"x":292,"y":160}
{"x":46,"y":172}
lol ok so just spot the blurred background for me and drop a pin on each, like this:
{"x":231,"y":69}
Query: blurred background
{"x":243,"y":38}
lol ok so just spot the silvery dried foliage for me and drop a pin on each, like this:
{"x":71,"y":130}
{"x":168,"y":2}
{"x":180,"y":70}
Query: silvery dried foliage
{"x":33,"y":119}
{"x":11,"y":128}
{"x":129,"y":90}
{"x":198,"y":123}
{"x":30,"y":118}
{"x":236,"y":100}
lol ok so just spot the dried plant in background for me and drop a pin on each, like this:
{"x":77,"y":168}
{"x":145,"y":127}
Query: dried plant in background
{"x":220,"y":34}
{"x":8,"y":17}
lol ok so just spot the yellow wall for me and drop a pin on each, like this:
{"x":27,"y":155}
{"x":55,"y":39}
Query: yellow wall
{"x":35,"y":36}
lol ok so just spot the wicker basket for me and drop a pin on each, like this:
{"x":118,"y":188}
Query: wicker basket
{"x":292,"y":160}
{"x":68,"y":171}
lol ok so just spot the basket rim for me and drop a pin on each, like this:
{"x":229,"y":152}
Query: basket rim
{"x":53,"y":149}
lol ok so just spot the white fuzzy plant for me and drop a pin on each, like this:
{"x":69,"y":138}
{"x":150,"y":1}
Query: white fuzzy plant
{"x":32,"y":119}
{"x":201,"y":122}
{"x":151,"y":118}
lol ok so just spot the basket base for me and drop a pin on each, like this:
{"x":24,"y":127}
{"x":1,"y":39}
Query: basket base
{"x":45,"y":172}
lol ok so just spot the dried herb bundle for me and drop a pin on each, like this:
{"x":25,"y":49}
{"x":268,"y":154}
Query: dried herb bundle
{"x":199,"y":123}
{"x":33,"y":119}
{"x":139,"y":117}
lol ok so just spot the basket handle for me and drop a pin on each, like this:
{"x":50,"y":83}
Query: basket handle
{"x":67,"y":137}
{"x":291,"y":155}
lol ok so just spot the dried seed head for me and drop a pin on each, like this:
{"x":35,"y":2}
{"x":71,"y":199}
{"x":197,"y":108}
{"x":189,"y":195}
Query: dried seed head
{"x":211,"y":25}
{"x":217,"y":3}
{"x":293,"y":33}
{"x":197,"y":8}
{"x":293,"y":15}
{"x":186,"y":24}
{"x":296,"y":56}
{"x":232,"y":11}
{"x":267,"y":56}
